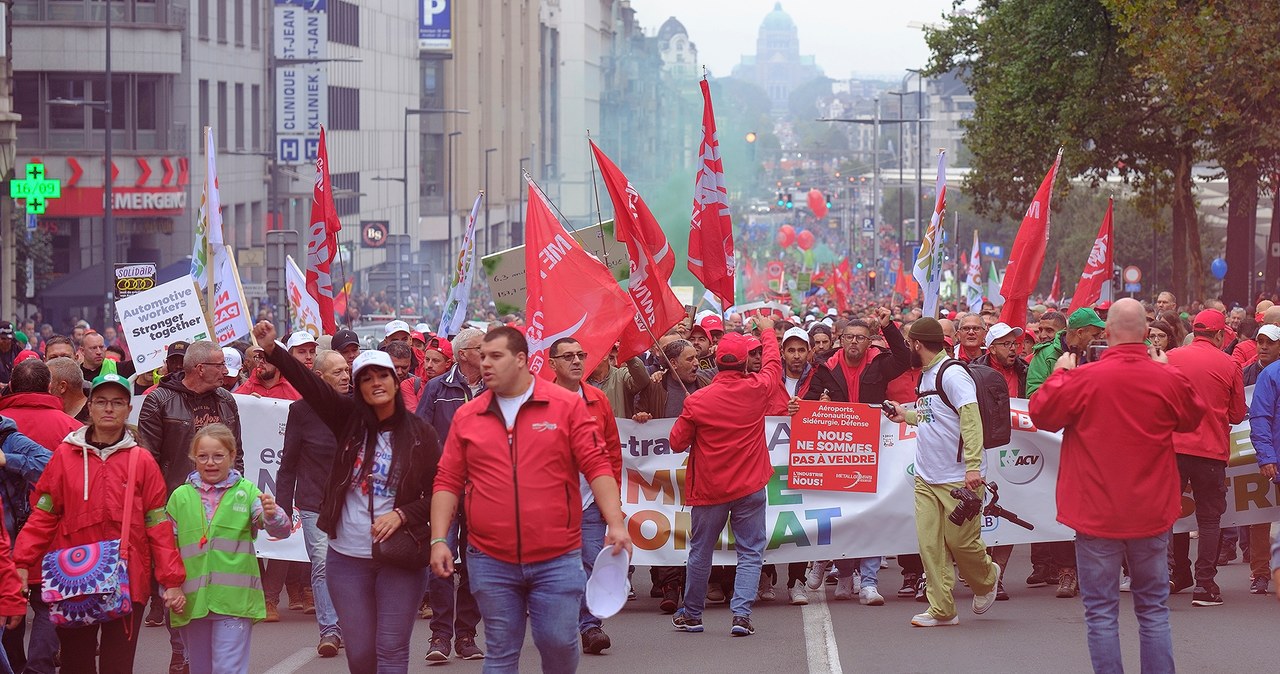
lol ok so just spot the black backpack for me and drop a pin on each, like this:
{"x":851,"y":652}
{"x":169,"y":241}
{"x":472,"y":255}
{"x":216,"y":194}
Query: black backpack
{"x":993,"y":402}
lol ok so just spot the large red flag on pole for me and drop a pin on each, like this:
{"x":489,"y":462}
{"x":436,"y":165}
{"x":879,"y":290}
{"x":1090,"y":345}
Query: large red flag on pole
{"x":710,"y":231}
{"x":322,"y":241}
{"x":657,"y":307}
{"x":1026,"y":260}
{"x":570,"y":292}
{"x":1095,"y":281}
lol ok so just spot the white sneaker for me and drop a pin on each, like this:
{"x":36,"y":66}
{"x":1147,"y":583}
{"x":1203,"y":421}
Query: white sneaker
{"x":869,"y":596}
{"x":798,"y":596}
{"x":857,"y":582}
{"x":981,"y":604}
{"x":1125,"y":583}
{"x":926,"y":620}
{"x":817,"y":574}
{"x":844,"y":589}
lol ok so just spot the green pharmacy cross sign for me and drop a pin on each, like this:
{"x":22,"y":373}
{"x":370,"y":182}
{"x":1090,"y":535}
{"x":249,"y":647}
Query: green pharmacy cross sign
{"x":36,"y":189}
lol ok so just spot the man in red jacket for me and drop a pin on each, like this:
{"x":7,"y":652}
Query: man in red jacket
{"x":1203,"y":452}
{"x":1118,"y":483}
{"x":567,"y":361}
{"x":722,"y":426}
{"x":518,"y":449}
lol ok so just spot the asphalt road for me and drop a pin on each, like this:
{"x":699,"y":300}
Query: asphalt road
{"x":1034,"y":632}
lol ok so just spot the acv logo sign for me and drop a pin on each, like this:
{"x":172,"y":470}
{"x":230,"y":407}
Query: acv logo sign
{"x":1020,"y":466}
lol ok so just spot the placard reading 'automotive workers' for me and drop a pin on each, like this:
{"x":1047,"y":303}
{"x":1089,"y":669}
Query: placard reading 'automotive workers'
{"x":154,"y":319}
{"x":835,"y":447}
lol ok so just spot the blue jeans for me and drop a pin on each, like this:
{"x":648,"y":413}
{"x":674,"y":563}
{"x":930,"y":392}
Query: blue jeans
{"x":593,"y":530}
{"x":219,"y":639}
{"x":317,"y":543}
{"x":1098,"y":565}
{"x":446,"y":599}
{"x":746,"y":518}
{"x":868,"y":569}
{"x":44,"y":645}
{"x":377,"y":605}
{"x":5,"y":668}
{"x":547,"y":594}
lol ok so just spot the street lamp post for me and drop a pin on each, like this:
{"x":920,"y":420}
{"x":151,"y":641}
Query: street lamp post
{"x":449,"y":209}
{"x":901,"y":216}
{"x":487,"y":152}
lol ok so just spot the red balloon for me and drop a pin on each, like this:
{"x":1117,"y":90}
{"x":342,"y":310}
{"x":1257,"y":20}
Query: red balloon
{"x":805,"y":240}
{"x":817,"y":203}
{"x":791,"y":231}
{"x":786,"y":237}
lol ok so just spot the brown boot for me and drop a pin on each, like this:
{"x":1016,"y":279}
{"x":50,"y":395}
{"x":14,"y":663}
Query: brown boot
{"x":308,"y":602}
{"x":273,"y":613}
{"x":1068,"y":584}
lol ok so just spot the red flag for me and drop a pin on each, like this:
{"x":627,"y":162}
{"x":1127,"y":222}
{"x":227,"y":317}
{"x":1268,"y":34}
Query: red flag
{"x":570,"y":293}
{"x":757,"y":284}
{"x":657,"y":305}
{"x":843,"y":279}
{"x":710,"y":231}
{"x":1055,"y":288}
{"x":1095,"y":281}
{"x":322,"y":241}
{"x":1026,"y":260}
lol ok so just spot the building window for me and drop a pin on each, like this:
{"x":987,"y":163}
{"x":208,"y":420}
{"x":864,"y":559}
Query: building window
{"x":202,"y":19}
{"x":344,"y":23}
{"x":255,"y":114}
{"x":137,"y":105}
{"x":255,"y":23}
{"x":238,"y":17}
{"x":203,"y":94}
{"x":240,"y":116}
{"x":432,"y":83}
{"x":222,"y":21}
{"x":346,"y":192}
{"x":221,"y":131}
{"x":344,"y":109}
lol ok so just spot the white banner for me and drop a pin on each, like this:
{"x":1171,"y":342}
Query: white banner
{"x":156,"y":318}
{"x":262,"y":427}
{"x":303,"y":308}
{"x":230,"y":312}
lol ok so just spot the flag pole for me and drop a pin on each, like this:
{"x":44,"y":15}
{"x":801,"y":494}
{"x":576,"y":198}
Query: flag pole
{"x":547,"y":198}
{"x":599,"y":216}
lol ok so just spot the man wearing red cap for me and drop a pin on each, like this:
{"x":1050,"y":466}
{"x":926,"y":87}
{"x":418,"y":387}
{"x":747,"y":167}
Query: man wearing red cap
{"x":704,"y":336}
{"x":722,"y":427}
{"x":1203,"y":452}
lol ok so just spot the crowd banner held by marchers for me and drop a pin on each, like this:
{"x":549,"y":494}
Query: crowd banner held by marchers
{"x":156,"y":318}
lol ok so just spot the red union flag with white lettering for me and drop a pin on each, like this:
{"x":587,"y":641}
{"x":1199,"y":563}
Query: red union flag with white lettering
{"x":322,"y":241}
{"x":657,"y":306}
{"x":1026,"y":260}
{"x":710,"y":231}
{"x":1095,"y":281}
{"x":570,"y":292}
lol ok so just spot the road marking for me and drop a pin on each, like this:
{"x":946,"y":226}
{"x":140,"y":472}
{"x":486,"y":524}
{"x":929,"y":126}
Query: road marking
{"x":294,"y":662}
{"x":820,"y":636}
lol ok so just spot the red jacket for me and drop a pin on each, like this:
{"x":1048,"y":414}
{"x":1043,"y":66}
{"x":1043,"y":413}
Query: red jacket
{"x":724,"y":424}
{"x":39,"y":416}
{"x":12,"y":601}
{"x":520,"y":487}
{"x":1218,"y":380}
{"x":903,"y":388}
{"x":80,"y":499}
{"x":1246,"y":352}
{"x":602,"y":414}
{"x":283,"y":390}
{"x":1118,"y":477}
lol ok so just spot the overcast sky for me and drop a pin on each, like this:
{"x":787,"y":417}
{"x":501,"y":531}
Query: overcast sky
{"x":860,"y":38}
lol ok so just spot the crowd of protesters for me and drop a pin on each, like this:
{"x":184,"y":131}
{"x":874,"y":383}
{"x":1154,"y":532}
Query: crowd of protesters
{"x":396,"y":468}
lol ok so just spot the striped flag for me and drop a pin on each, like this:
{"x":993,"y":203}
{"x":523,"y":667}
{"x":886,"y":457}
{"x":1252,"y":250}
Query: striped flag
{"x":927,"y":270}
{"x":464,"y":272}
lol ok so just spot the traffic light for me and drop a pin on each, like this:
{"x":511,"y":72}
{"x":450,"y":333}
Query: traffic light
{"x":859,"y":265}
{"x":790,"y":204}
{"x":827,"y":198}
{"x":871,"y":280}
{"x":781,"y":201}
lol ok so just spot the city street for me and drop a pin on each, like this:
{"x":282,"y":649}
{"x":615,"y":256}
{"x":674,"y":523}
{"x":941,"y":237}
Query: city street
{"x":1033,"y":632}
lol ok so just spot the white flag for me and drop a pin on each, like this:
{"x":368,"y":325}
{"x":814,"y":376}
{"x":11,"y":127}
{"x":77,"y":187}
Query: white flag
{"x":304,"y":311}
{"x":464,"y":272}
{"x":973,"y":277}
{"x":230,"y":313}
{"x":927,"y":270}
{"x":208,"y":235}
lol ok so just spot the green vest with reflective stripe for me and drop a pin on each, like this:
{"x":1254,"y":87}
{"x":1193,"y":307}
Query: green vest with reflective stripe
{"x":222,"y":572}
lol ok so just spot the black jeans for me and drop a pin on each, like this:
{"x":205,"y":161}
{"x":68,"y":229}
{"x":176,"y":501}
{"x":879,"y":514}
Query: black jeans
{"x":113,"y":652}
{"x":1208,"y":480}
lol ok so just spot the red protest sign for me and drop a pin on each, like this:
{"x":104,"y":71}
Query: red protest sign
{"x":835,"y":447}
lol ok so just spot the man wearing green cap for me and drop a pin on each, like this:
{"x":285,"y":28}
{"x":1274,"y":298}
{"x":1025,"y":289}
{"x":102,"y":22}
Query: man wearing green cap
{"x":1083,"y":326}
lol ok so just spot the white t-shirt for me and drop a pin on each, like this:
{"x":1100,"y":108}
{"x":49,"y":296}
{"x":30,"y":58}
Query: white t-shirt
{"x":791,"y":384}
{"x":355,"y":538}
{"x":510,"y":406}
{"x":938,"y":435}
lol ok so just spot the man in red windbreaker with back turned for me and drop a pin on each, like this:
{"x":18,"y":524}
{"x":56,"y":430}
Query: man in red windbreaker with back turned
{"x":1118,"y":484}
{"x":722,"y":426}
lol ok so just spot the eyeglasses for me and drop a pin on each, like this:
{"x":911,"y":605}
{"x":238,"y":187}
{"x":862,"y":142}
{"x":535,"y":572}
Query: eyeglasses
{"x":101,"y":403}
{"x":570,"y":357}
{"x":972,"y":328}
{"x":855,"y":338}
{"x":211,"y":458}
{"x":1004,"y":345}
{"x":220,"y":364}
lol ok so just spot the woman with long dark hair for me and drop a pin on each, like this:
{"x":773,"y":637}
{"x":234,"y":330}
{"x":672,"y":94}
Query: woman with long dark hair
{"x":380,"y":482}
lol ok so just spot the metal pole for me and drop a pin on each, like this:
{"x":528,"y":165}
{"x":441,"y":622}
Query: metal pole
{"x":901,"y":214}
{"x":449,"y":206}
{"x":487,"y":242}
{"x":108,"y":219}
{"x":875,"y":190}
{"x":405,"y":180}
{"x":920,"y":149}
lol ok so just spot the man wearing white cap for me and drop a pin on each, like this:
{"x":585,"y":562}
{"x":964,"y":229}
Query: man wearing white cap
{"x":302,"y":346}
{"x":397,"y":331}
{"x":1268,"y":340}
{"x":231,"y":378}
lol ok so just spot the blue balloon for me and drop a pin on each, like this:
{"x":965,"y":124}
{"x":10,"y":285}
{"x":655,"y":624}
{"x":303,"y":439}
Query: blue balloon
{"x":1218,"y":267}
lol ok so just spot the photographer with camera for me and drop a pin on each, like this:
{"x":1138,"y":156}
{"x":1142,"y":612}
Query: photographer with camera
{"x":942,"y":429}
{"x":1118,"y":484}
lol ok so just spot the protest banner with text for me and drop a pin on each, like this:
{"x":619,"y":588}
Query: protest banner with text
{"x":156,"y":318}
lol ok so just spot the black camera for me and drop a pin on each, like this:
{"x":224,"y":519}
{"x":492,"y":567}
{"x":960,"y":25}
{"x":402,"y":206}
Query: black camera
{"x":970,"y":504}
